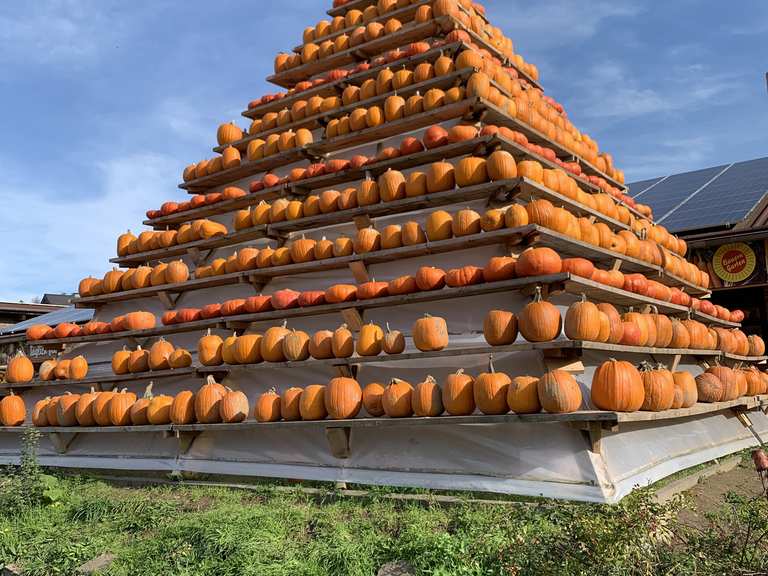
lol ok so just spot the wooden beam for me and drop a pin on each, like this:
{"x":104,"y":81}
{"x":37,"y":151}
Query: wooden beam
{"x":339,"y":441}
{"x":353,"y":318}
{"x":62,"y":440}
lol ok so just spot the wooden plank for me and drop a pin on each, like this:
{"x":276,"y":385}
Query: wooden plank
{"x":103,"y":378}
{"x":337,"y":87}
{"x":394,"y":128}
{"x":603,"y":419}
{"x":463,"y":351}
{"x":404,"y":15}
{"x":245,"y":169}
{"x":404,"y":36}
{"x":495,"y":115}
{"x":318,"y":120}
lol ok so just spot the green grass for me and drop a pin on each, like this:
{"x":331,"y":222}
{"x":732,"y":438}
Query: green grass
{"x":50,"y":525}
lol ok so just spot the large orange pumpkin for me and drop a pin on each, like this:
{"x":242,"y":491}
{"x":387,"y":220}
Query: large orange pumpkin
{"x":617,"y":386}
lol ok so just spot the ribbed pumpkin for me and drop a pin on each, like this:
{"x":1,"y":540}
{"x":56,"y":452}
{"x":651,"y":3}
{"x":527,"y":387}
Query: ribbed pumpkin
{"x":559,"y":393}
{"x":342,"y":342}
{"x":267,"y":408}
{"x":120,"y":407}
{"x":617,"y":386}
{"x":47,"y":370}
{"x":138,"y":361}
{"x":709,"y":388}
{"x":440,"y":177}
{"x":391,"y":186}
{"x":501,"y":166}
{"x":490,"y":391}
{"x":290,"y":401}
{"x":78,"y":368}
{"x":397,"y":399}
{"x":296,"y":346}
{"x":84,"y":408}
{"x":272,"y":343}
{"x":500,"y":327}
{"x":233,"y":406}
{"x":39,"y":412}
{"x":582,"y":321}
{"x":138,"y":412}
{"x":66,"y":408}
{"x":180,"y":358}
{"x":100,"y":407}
{"x":370,"y":340}
{"x":393,"y":341}
{"x":471,"y":171}
{"x":439,"y":225}
{"x":659,"y":385}
{"x":247,"y":349}
{"x":430,"y":333}
{"x":343,"y":398}
{"x":159,"y":409}
{"x":183,"y":408}
{"x":159,"y":353}
{"x":523,"y":395}
{"x":538,"y":262}
{"x":208,"y":401}
{"x":120,"y":361}
{"x":686,"y":393}
{"x":426,"y":398}
{"x":540,"y":321}
{"x":465,"y":222}
{"x":13,"y":412}
{"x":729,"y":380}
{"x":20,"y":369}
{"x":312,"y":403}
{"x":372,"y":398}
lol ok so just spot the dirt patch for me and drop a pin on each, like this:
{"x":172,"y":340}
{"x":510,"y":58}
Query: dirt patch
{"x":708,"y":495}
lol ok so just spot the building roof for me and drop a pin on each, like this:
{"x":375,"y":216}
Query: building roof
{"x":28,"y":308}
{"x":722,"y":197}
{"x":68,"y":314}
{"x":58,"y":299}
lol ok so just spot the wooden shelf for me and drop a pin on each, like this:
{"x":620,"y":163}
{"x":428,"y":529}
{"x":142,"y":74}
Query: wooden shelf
{"x":482,"y":145}
{"x":530,"y":234}
{"x":500,"y":191}
{"x":404,"y":15}
{"x":409,"y":33}
{"x":245,"y":169}
{"x":491,"y":114}
{"x":603,"y":418}
{"x":318,"y":120}
{"x":103,"y":378}
{"x":337,"y":87}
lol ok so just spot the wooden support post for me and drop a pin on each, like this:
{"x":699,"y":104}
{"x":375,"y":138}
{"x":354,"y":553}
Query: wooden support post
{"x":359,"y":271}
{"x":675,"y":362}
{"x":338,"y":441}
{"x":197,"y":255}
{"x":363,"y":221}
{"x":596,"y":437}
{"x":353,"y":318}
{"x":617,"y":264}
{"x":62,"y":440}
{"x":167,"y":300}
{"x":185,"y":440}
{"x":348,"y":370}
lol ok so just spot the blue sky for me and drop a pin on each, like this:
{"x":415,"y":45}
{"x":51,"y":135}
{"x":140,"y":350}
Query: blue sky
{"x":105,"y":101}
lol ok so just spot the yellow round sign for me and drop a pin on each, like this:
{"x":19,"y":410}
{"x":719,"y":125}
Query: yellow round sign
{"x":734,"y":262}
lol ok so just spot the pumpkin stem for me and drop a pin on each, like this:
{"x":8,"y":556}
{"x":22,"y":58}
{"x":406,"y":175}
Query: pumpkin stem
{"x":285,"y":323}
{"x":387,"y":325}
{"x":93,"y":390}
{"x":537,"y":294}
{"x":210,"y":379}
{"x":460,"y":371}
{"x":148,"y":390}
{"x":491,"y":369}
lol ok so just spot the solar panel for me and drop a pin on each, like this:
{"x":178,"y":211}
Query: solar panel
{"x":667,"y":194}
{"x":726,"y":201}
{"x":640,"y":187}
{"x":69,"y":314}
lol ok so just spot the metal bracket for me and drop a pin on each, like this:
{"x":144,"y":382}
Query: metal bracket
{"x":62,"y":440}
{"x":338,"y":441}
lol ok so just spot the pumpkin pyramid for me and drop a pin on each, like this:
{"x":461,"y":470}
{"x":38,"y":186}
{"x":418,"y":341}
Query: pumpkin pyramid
{"x":408,"y":204}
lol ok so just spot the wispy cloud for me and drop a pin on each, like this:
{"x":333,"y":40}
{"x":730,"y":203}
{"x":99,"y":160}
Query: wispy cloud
{"x":64,"y":241}
{"x":555,"y":23}
{"x":671,"y":156}
{"x":610,"y":91}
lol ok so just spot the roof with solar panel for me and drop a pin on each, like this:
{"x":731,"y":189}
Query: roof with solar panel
{"x":730,"y":196}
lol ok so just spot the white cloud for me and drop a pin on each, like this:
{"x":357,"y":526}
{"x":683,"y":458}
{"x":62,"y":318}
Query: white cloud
{"x":59,"y":243}
{"x":609,"y":91}
{"x":553,"y":23}
{"x":670,"y":156}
